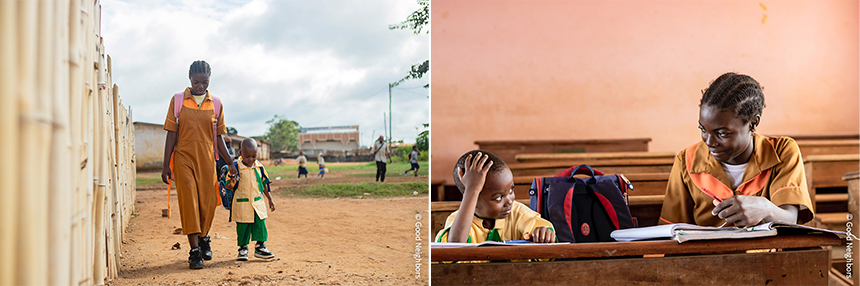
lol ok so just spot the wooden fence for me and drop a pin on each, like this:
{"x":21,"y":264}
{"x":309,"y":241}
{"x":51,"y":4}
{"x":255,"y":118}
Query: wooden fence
{"x":67,"y":176}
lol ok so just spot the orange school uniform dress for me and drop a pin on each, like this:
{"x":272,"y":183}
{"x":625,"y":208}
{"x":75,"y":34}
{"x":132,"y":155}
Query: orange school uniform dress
{"x":194,"y":161}
{"x":774,"y":171}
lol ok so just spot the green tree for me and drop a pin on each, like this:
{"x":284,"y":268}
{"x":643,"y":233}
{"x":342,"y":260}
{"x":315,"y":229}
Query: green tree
{"x":283,"y":133}
{"x":416,"y":22}
{"x":232,"y":131}
{"x":423,"y":139}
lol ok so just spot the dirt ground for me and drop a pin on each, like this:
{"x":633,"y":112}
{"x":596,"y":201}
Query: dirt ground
{"x":345,"y":241}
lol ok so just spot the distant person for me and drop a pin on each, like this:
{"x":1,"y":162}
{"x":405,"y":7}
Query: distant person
{"x":248,"y":208}
{"x":303,"y":170}
{"x":321,"y":162}
{"x":758,"y":178}
{"x":489,"y":210}
{"x":380,"y":154}
{"x":413,"y":159}
{"x":189,"y":150}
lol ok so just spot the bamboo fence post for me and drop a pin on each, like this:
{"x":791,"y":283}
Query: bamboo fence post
{"x":8,"y":126}
{"x":60,"y":173}
{"x":30,"y":253}
{"x":70,"y":118}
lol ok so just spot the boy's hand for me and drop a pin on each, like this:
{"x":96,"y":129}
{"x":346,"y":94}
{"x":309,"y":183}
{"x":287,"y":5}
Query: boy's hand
{"x":475,"y":173}
{"x":541,"y":235}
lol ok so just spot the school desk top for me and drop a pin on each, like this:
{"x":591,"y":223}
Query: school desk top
{"x":801,"y":261}
{"x":619,"y":249}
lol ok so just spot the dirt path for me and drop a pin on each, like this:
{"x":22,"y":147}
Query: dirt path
{"x":316,"y":242}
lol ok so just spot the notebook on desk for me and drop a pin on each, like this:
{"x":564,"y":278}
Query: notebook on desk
{"x":487,"y":243}
{"x":685,"y":232}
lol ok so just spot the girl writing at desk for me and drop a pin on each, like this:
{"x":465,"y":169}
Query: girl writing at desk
{"x":734,"y":175}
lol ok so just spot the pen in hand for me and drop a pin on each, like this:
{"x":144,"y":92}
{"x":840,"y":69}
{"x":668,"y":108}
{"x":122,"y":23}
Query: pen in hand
{"x":718,"y":199}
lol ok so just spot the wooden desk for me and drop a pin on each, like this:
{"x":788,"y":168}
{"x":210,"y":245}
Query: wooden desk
{"x":853,"y":179}
{"x":508,"y":149}
{"x":825,"y":171}
{"x":548,"y":157}
{"x":644,"y":184}
{"x":829,"y":147}
{"x":802,"y":261}
{"x":608,"y":166}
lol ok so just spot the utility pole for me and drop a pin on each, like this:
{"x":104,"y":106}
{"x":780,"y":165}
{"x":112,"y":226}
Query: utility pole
{"x":390,"y":85}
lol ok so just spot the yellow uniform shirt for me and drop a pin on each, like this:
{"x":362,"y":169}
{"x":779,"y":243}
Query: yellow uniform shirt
{"x":774,"y":171}
{"x":248,"y":198}
{"x":522,"y":220}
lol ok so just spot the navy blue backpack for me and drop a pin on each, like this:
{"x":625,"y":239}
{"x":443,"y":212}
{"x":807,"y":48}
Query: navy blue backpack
{"x":583,"y":210}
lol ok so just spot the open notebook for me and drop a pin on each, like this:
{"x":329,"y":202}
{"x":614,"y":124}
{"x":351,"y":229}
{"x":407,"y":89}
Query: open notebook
{"x":685,"y":232}
{"x":486,"y":243}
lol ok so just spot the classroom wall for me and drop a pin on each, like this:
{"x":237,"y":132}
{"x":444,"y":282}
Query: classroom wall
{"x":518,"y":70}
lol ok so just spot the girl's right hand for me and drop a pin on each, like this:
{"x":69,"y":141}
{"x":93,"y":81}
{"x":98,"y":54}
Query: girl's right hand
{"x":166,"y":175}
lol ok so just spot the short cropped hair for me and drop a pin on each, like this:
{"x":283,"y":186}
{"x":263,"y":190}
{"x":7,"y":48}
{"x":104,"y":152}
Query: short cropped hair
{"x":498,"y":166}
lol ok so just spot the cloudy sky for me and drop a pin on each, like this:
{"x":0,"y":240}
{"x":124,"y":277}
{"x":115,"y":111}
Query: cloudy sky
{"x":320,"y":63}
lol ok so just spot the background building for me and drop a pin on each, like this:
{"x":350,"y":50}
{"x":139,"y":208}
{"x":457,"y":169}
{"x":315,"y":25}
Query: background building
{"x":329,"y":140}
{"x":149,"y":146}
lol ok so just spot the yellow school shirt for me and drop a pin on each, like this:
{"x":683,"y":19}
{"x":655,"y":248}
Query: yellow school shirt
{"x":774,"y":171}
{"x":248,"y":199}
{"x":522,"y":220}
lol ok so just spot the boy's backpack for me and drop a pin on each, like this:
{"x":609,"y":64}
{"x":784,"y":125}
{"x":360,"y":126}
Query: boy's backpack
{"x":226,"y":193}
{"x":583,"y":210}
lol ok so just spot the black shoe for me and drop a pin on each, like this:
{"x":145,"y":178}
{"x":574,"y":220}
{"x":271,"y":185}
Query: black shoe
{"x":243,"y":253}
{"x":262,"y":252}
{"x":195,"y":258}
{"x":205,"y":248}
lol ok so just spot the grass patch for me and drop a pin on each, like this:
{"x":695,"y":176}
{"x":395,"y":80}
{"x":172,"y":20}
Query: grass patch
{"x":357,"y":189}
{"x":369,"y":167}
{"x":141,"y":181}
{"x":388,"y":173}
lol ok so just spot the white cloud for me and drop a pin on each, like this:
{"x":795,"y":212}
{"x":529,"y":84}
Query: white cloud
{"x":317,"y":62}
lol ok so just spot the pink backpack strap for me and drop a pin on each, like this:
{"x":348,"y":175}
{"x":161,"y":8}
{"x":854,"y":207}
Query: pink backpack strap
{"x":216,"y":102}
{"x":177,"y":105}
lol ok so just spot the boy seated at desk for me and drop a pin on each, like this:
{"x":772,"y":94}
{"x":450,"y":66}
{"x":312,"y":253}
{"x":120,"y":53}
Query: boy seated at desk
{"x":489,"y":209}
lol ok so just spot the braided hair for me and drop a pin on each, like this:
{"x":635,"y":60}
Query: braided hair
{"x":201,"y":67}
{"x":737,"y":92}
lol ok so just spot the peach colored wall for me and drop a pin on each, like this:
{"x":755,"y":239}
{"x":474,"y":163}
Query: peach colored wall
{"x":628,"y":69}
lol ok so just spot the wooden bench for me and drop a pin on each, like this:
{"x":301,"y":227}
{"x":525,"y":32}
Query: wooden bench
{"x":829,"y":147}
{"x":825,"y":171}
{"x":824,"y":137}
{"x":508,"y":149}
{"x":550,"y":157}
{"x":608,"y":166}
{"x":437,"y":190}
{"x":644,"y":184}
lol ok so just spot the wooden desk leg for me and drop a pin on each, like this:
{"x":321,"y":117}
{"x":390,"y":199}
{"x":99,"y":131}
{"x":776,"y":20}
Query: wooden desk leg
{"x":440,"y":192}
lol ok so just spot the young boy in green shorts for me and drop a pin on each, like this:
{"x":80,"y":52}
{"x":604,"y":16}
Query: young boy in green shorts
{"x":489,"y":210}
{"x":248,"y":207}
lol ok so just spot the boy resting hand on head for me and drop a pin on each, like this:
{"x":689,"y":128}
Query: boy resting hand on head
{"x":489,"y":210}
